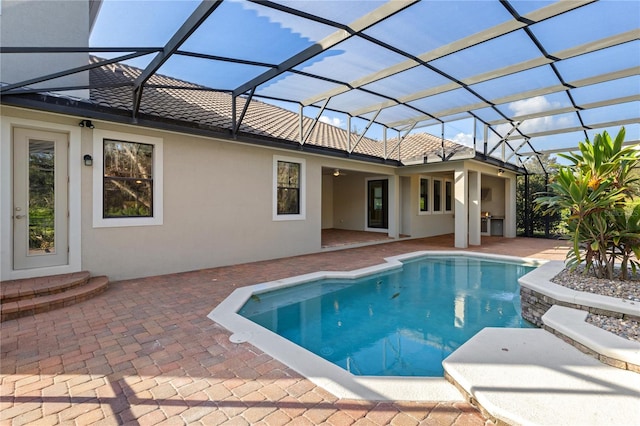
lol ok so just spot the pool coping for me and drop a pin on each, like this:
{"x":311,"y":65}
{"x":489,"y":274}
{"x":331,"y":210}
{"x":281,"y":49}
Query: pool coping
{"x":539,"y":280}
{"x":571,"y":322}
{"x":323,"y":373}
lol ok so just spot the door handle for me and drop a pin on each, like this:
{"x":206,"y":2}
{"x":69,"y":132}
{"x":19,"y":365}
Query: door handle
{"x":19,"y":216}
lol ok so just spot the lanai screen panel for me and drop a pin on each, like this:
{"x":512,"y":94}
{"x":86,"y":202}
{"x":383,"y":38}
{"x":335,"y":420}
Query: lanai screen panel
{"x":556,"y":70}
{"x":294,"y":87}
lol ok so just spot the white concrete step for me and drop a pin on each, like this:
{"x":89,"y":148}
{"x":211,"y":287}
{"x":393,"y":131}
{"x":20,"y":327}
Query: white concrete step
{"x":531,"y":377}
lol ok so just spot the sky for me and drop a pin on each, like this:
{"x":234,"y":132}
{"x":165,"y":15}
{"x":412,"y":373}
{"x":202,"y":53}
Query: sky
{"x":246,"y":31}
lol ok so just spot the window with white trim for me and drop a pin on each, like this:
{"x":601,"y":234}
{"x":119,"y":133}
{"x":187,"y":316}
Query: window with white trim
{"x":437,"y":195}
{"x":127,"y":180}
{"x":289,"y":189}
{"x":424,"y":201}
{"x":448,"y":196}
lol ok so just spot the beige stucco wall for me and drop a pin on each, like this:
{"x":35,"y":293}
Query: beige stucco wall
{"x":426,"y":225}
{"x":36,"y":23}
{"x":349,"y":202}
{"x":217,"y":211}
{"x":217,"y":207}
{"x":496,"y":205}
{"x":327,"y":201}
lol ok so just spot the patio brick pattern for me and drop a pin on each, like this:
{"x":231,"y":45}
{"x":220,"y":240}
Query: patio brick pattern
{"x":144,"y":352}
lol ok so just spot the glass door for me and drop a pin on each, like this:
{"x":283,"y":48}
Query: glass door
{"x":377,"y":200}
{"x":40,"y":212}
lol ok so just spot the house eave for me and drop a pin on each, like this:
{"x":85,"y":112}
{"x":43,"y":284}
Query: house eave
{"x":88,"y":110}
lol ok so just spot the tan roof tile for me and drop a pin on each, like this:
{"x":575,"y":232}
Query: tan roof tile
{"x":171,"y":98}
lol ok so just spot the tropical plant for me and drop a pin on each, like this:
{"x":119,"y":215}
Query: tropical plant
{"x":597,"y":188}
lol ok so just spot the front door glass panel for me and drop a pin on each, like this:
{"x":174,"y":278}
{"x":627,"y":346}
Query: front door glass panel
{"x":40,"y":195}
{"x":42,"y":212}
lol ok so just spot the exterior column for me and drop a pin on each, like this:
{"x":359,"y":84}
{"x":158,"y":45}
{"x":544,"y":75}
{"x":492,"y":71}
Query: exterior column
{"x":474,"y":208}
{"x":510,"y":206}
{"x":394,"y":207}
{"x":461,"y":210}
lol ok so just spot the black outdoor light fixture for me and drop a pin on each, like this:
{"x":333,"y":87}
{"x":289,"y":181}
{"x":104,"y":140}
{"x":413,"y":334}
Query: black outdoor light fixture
{"x":88,"y":160}
{"x":87,"y":123}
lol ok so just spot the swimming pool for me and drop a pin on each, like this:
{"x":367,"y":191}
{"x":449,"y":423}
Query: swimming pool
{"x":397,"y":323}
{"x":337,"y":380}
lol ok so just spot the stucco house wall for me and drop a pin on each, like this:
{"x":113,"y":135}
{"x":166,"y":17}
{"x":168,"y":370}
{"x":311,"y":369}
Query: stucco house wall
{"x":217,"y":211}
{"x":349,"y":203}
{"x":217,"y":205}
{"x":217,"y":202}
{"x":327,"y":201}
{"x":427,"y":225}
{"x":495,"y":204}
{"x":217,"y":199}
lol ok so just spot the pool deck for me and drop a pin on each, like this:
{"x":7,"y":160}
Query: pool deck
{"x":144,"y":352}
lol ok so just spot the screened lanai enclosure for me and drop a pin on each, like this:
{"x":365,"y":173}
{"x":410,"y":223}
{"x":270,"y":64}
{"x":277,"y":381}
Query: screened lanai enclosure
{"x":511,"y":80}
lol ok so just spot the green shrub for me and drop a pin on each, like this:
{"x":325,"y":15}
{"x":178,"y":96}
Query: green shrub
{"x":599,"y":190}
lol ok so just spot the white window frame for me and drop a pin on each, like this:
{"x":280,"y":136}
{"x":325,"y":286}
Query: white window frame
{"x":429,"y":195}
{"x":433,"y":195}
{"x":444,"y":196}
{"x":98,"y":185}
{"x":303,"y":189}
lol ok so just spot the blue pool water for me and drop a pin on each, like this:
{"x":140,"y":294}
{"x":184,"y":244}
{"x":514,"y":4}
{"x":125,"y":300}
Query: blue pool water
{"x":399,"y":323}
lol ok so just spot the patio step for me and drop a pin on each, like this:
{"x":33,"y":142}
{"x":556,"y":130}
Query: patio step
{"x":29,"y":296}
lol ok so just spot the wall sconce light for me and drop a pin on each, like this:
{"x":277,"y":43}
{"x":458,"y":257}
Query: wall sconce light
{"x":336,"y":172}
{"x":500,"y":172}
{"x":88,"y":160}
{"x":87,"y":123}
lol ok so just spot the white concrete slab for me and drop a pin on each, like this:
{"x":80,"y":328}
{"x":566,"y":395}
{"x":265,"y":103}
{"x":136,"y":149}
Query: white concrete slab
{"x":540,"y":280}
{"x":531,"y":377}
{"x":572,"y":323}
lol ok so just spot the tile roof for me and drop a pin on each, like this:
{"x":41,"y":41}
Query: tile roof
{"x":174,"y":99}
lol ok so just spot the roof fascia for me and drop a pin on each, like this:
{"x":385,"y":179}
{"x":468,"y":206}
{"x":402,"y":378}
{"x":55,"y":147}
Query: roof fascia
{"x":82,"y":109}
{"x":498,"y":163}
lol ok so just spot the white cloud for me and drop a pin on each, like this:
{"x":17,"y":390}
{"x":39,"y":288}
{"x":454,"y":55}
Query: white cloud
{"x":334,"y":121}
{"x":463,"y":139}
{"x":538,"y":104}
{"x":532,"y":105}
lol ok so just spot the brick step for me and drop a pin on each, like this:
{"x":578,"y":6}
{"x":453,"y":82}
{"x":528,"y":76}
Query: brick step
{"x":27,"y":288}
{"x":49,"y":301}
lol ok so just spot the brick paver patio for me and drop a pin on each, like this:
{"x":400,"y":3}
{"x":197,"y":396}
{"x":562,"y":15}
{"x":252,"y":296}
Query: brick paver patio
{"x":144,"y":352}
